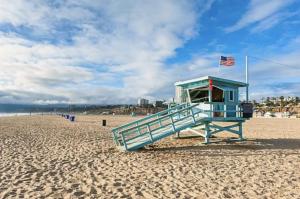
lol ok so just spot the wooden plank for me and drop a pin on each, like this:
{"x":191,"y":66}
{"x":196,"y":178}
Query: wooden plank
{"x":149,"y":132}
{"x":158,"y":135}
{"x":149,"y":117}
{"x":194,"y":131}
{"x":155,"y":120}
{"x":124,"y":142}
{"x":186,"y":118}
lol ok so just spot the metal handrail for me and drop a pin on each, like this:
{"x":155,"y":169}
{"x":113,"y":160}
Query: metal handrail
{"x":186,"y":109}
{"x":149,"y":117}
{"x":160,"y":127}
{"x":157,"y":119}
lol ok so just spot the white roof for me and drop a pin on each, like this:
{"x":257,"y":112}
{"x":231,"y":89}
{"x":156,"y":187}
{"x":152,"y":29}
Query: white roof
{"x":212,"y":78}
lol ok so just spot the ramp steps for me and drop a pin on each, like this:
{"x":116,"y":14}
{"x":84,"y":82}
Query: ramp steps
{"x":155,"y":127}
{"x":150,"y":129}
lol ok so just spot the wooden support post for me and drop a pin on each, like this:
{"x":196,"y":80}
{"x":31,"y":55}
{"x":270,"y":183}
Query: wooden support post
{"x":194,"y":120}
{"x":115,"y":137}
{"x":160,"y":124}
{"x":210,"y":99}
{"x":225,"y":110}
{"x":173,"y":126}
{"x":124,"y":142}
{"x":150,"y":134}
{"x":207,"y":133}
{"x":241,"y":130}
{"x":189,"y":97}
{"x":229,"y":128}
{"x":139,"y":130}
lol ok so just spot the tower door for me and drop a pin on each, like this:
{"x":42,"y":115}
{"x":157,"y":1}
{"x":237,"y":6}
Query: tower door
{"x":218,"y":96}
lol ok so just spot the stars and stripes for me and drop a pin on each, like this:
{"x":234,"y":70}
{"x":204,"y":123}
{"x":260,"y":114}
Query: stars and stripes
{"x":227,"y":61}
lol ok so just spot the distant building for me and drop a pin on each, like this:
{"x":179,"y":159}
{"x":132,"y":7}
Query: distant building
{"x":289,"y":99}
{"x":278,"y":100}
{"x":143,"y":102}
{"x":275,"y":100}
{"x":269,"y":114}
{"x":158,"y":103}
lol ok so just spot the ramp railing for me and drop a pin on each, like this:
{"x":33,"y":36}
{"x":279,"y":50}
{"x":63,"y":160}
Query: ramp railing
{"x":223,"y":110}
{"x":162,"y":124}
{"x":168,"y":120}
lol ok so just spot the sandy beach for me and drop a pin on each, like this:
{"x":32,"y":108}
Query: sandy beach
{"x":50,"y":157}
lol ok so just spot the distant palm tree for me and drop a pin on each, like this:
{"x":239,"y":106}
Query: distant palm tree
{"x":281,"y":102}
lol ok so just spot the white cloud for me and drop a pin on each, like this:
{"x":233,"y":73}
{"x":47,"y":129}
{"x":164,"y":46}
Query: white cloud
{"x":114,"y":51}
{"x":277,"y":68}
{"x":271,"y":21}
{"x":260,"y":10}
{"x":91,"y":51}
{"x":276,"y":75}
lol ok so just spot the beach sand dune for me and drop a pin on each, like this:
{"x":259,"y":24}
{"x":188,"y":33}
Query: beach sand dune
{"x":50,"y":157}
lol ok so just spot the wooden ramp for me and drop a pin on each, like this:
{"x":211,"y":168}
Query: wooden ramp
{"x":150,"y":129}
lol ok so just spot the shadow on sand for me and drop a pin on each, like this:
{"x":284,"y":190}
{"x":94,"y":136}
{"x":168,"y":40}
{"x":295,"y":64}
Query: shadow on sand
{"x":249,"y":145}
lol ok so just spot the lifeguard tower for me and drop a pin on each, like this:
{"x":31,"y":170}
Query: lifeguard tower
{"x":199,"y":105}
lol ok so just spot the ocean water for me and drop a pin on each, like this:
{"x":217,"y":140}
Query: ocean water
{"x":18,"y":114}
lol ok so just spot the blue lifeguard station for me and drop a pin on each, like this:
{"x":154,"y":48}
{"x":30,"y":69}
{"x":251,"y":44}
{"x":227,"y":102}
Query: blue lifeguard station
{"x":199,"y":105}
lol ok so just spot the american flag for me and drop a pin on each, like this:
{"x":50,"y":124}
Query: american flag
{"x":227,"y":61}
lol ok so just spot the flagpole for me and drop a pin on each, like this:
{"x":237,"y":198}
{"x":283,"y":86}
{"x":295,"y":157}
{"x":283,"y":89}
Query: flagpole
{"x":247,"y":87}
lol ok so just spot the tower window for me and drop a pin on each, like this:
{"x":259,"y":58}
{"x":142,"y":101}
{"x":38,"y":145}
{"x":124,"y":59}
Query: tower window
{"x":231,"y":95}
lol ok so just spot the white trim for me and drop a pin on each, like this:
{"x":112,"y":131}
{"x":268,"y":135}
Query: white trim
{"x":240,"y":84}
{"x":189,"y":97}
{"x":222,"y":88}
{"x":247,"y":79}
{"x":191,"y":80}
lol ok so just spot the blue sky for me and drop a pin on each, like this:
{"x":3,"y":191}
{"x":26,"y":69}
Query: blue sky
{"x":102,"y":51}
